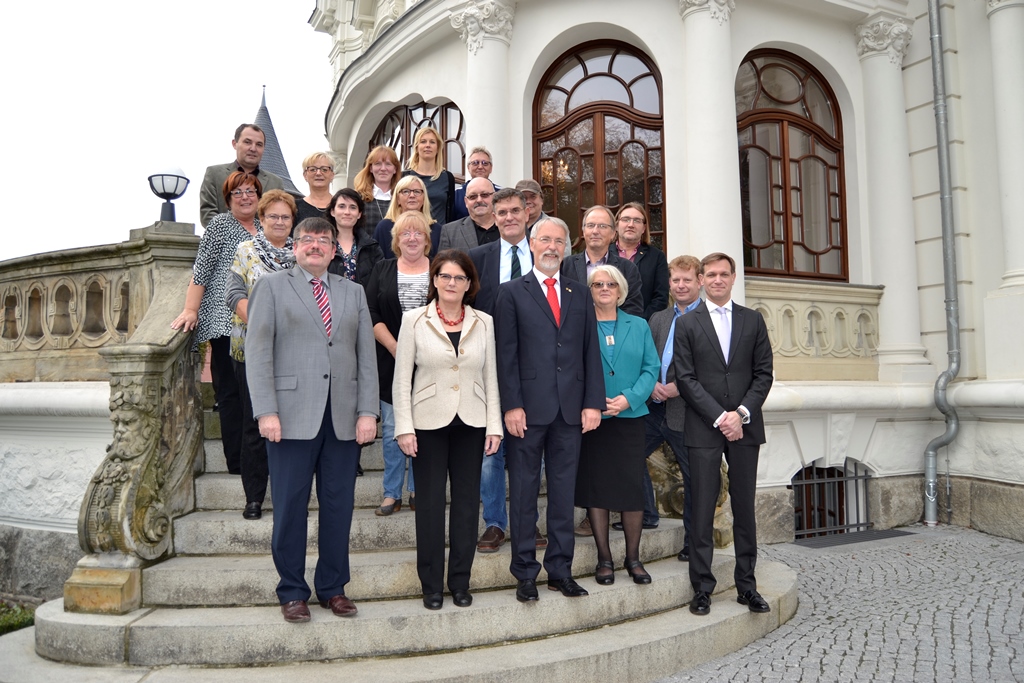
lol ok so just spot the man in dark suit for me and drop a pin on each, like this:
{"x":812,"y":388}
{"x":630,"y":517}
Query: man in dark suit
{"x":723,"y":366}
{"x":477,"y":228}
{"x":501,"y":261}
{"x":552,"y":391}
{"x":312,"y":372}
{"x":248,"y":143}
{"x":599,"y":233}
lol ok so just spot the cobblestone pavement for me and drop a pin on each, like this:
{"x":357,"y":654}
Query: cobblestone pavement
{"x":944,"y":604}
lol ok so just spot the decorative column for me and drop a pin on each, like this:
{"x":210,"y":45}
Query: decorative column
{"x":882,"y":43}
{"x":1004,"y":307}
{"x":712,"y":172}
{"x":486,"y":28}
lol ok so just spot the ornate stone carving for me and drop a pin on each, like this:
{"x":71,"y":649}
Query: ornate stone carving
{"x":720,"y":10}
{"x":484,"y":19}
{"x":884,"y":34}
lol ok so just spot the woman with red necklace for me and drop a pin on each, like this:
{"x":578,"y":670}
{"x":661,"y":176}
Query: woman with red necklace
{"x":447,"y":417}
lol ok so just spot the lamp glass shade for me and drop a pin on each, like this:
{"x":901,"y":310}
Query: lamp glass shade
{"x":168,"y":185}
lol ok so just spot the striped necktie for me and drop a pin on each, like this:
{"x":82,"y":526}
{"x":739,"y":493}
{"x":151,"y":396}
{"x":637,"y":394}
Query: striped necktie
{"x":322,"y":302}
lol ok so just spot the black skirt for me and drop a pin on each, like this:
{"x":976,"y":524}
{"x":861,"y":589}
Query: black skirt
{"x":610,"y":473}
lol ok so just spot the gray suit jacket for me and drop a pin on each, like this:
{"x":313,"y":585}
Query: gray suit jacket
{"x":292,"y":366}
{"x":574,"y":267}
{"x":675,"y":408}
{"x":211,"y":199}
{"x":460,"y":234}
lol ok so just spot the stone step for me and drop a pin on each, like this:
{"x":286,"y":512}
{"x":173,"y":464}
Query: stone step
{"x":251,"y":579}
{"x":398,"y":628}
{"x":371,"y":458}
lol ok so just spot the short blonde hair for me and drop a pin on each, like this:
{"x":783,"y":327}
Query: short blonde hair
{"x":308,"y":161}
{"x":616,"y":275}
{"x":410,"y":220}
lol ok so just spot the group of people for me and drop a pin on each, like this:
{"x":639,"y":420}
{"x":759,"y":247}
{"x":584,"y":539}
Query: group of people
{"x":459,"y":318}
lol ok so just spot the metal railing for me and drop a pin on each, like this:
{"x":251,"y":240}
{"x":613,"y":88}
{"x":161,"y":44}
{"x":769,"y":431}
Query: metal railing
{"x":830,"y":500}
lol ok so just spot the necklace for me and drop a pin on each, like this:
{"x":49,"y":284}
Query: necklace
{"x":446,"y":321}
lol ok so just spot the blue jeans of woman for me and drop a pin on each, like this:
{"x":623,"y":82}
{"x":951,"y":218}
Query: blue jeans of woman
{"x":396,"y":463}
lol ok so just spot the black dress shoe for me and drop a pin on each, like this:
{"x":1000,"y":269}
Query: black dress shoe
{"x":253,"y":510}
{"x":684,"y":554}
{"x":433,"y":600}
{"x":526,"y":591}
{"x":569,"y":588}
{"x":359,"y":470}
{"x":635,"y":568}
{"x":647,"y":525}
{"x":701,"y":603}
{"x":753,"y":601}
{"x":462,"y":598}
{"x":607,"y":578}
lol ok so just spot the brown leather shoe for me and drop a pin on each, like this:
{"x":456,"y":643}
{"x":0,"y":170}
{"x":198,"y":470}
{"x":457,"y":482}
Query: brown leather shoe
{"x":540,"y":539}
{"x":492,"y":539}
{"x":340,"y":605}
{"x":295,"y":612}
{"x":584,"y":528}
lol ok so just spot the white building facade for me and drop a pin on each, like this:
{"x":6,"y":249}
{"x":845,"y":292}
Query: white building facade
{"x":797,"y":136}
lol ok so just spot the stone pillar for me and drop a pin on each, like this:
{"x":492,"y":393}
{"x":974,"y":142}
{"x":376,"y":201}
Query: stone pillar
{"x":1004,"y":307}
{"x":882,"y":43}
{"x":712,"y":172}
{"x":486,"y":28}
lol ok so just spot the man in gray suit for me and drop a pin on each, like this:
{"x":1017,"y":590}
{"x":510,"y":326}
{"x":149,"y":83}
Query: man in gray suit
{"x":312,"y":372}
{"x":599,"y":233}
{"x":248,"y":143}
{"x":478,"y":227}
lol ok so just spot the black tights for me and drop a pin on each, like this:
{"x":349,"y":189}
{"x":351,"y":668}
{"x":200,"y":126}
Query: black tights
{"x":632,"y":526}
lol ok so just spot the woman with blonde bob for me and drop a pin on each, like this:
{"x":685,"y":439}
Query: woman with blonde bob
{"x":427,"y":164}
{"x":376,"y":184}
{"x":410,"y":195}
{"x":395,"y":286}
{"x":318,"y":172}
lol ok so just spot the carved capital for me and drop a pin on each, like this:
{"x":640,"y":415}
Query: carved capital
{"x":484,"y":19}
{"x":884,"y":34}
{"x":720,"y":10}
{"x":994,"y":5}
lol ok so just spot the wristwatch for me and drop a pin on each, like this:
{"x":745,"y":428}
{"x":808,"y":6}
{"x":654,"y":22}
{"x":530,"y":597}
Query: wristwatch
{"x":744,"y":415}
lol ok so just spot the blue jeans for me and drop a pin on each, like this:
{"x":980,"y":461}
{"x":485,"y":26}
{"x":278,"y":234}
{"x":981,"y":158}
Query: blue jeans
{"x":492,"y":489}
{"x":395,"y":461}
{"x":657,"y":432}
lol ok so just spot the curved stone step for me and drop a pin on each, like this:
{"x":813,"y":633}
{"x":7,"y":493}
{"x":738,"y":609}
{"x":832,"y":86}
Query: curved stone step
{"x":372,"y":457}
{"x":251,"y":579}
{"x":258,"y":635}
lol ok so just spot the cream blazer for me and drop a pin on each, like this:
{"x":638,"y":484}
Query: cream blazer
{"x":434,"y":383}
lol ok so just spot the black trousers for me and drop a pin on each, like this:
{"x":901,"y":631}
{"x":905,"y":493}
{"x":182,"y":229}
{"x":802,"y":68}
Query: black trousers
{"x":229,"y":402}
{"x":705,"y":474}
{"x":253,"y":461}
{"x":452,"y":453}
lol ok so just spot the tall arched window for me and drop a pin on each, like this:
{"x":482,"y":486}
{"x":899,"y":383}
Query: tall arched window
{"x":598,"y":134}
{"x":791,"y":169}
{"x":400,"y":125}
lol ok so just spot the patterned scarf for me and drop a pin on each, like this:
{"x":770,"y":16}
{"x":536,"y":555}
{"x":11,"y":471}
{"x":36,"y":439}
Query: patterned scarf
{"x":274,"y":258}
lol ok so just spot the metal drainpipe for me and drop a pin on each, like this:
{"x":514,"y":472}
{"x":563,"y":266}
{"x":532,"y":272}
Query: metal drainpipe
{"x":931,"y":513}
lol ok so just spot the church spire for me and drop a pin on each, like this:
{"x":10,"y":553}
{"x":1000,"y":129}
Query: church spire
{"x":273,"y":158}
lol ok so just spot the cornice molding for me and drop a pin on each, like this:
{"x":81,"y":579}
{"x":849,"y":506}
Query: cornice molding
{"x":484,"y":19}
{"x":720,"y":10}
{"x":884,"y":34}
{"x":996,"y":5}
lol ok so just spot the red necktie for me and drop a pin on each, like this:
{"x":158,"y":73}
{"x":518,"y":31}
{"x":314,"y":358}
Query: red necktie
{"x":553,"y":300}
{"x":323,"y":303}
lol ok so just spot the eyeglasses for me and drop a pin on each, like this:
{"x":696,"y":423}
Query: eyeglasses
{"x":599,"y":226}
{"x":319,"y":169}
{"x":322,"y":241}
{"x":247,"y":192}
{"x":278,"y":218}
{"x":410,"y":192}
{"x":604,"y":285}
{"x":409,"y":234}
{"x":636,"y":220}
{"x":557,"y":241}
{"x":446,"y":278}
{"x":478,"y":162}
{"x":481,"y":195}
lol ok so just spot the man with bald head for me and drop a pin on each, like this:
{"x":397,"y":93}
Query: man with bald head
{"x":476,"y":229}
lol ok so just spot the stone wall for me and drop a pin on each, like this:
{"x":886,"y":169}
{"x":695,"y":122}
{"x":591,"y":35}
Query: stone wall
{"x":35,"y":563}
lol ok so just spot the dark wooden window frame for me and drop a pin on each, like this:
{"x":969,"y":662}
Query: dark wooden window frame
{"x":398,"y":128}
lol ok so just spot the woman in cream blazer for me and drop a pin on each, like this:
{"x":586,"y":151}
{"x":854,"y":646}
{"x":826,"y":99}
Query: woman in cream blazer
{"x":447,"y":417}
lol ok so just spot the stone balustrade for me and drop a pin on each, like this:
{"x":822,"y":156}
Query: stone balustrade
{"x":818,"y":330}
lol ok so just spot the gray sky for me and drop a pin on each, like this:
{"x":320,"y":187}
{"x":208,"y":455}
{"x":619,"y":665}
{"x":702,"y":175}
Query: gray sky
{"x":100,"y":95}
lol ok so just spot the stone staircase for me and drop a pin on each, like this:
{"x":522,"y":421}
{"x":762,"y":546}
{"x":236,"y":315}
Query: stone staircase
{"x":214,"y":605}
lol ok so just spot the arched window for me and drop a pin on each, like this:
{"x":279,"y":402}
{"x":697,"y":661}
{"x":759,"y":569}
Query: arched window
{"x":598,"y":134}
{"x":400,"y":125}
{"x":791,"y":169}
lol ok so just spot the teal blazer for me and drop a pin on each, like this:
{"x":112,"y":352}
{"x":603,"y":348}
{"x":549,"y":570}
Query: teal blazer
{"x":635,"y":364}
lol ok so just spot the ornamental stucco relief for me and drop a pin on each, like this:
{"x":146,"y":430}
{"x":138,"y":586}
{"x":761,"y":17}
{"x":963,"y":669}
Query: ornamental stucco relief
{"x":720,"y":10}
{"x":884,"y":35}
{"x":484,"y":19}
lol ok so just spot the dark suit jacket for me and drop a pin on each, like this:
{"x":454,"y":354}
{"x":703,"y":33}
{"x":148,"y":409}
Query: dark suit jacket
{"x":711,"y":387}
{"x":487,"y":260}
{"x":460,"y":234}
{"x":568,"y":375}
{"x":675,"y":408}
{"x":653,"y":267}
{"x":367,"y":256}
{"x":211,"y":199}
{"x":574,"y":267}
